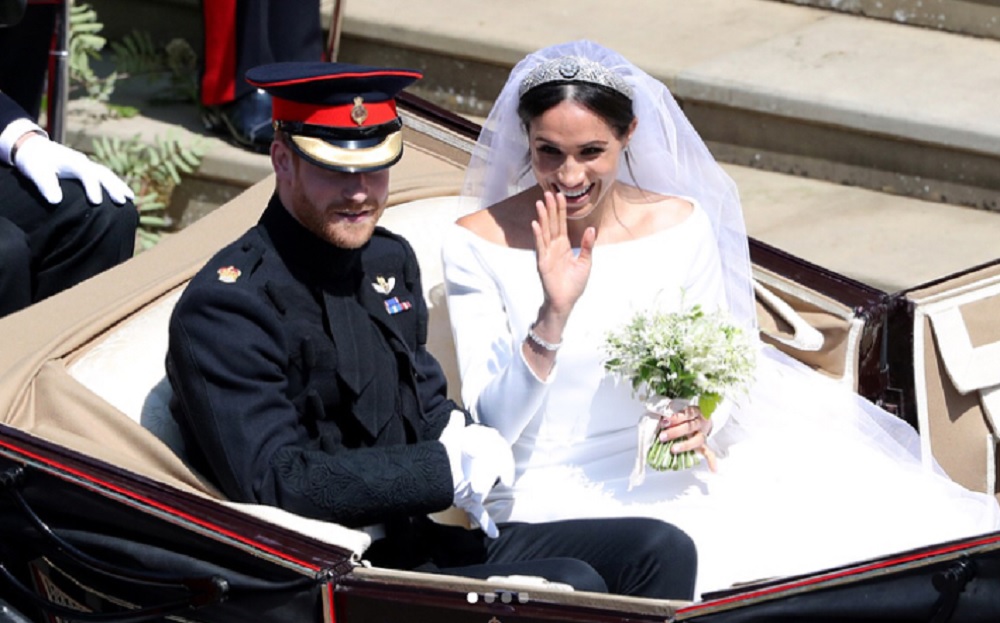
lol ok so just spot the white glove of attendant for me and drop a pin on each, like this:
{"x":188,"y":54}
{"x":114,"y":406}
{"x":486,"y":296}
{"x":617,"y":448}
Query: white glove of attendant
{"x":479,"y":456}
{"x":44,"y":162}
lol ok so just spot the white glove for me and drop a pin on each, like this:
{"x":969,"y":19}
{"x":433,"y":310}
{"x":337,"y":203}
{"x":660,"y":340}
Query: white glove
{"x":44,"y":162}
{"x":479,"y":456}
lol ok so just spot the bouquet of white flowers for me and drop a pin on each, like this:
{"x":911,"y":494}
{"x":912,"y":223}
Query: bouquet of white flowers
{"x":693,"y":355}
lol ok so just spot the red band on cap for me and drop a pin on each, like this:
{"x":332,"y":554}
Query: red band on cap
{"x":333,"y":116}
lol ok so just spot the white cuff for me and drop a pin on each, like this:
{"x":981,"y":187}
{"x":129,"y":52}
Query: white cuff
{"x":721,"y":416}
{"x":15,"y":130}
{"x":531,"y":371}
{"x":456,"y":422}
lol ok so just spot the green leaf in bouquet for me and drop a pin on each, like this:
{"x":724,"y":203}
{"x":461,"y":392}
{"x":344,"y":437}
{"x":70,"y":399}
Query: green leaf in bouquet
{"x":707,"y":403}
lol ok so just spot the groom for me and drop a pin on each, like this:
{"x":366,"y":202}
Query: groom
{"x":301,"y":378}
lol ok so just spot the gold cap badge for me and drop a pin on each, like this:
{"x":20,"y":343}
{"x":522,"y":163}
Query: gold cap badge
{"x":359,"y":113}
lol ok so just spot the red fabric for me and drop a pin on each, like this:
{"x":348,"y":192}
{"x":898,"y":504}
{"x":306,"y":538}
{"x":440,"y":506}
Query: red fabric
{"x":333,"y":116}
{"x":53,"y":86}
{"x":218,"y":84}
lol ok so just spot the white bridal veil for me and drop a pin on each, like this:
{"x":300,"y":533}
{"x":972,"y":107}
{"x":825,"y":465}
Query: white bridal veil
{"x":811,"y":475}
{"x":667,"y":157}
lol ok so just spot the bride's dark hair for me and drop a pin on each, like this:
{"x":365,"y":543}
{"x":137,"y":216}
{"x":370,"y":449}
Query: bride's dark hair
{"x":610,"y":105}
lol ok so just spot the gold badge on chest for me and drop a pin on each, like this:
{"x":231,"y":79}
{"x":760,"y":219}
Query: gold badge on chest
{"x":384,"y":286}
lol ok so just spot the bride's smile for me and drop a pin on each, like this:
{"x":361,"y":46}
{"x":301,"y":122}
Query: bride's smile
{"x":576,"y":153}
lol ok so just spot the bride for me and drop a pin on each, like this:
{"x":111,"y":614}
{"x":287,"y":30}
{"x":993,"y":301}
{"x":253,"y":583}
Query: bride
{"x":598,"y":199}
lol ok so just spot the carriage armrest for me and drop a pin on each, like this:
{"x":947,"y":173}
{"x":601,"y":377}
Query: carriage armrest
{"x":803,"y":336}
{"x":331,"y":533}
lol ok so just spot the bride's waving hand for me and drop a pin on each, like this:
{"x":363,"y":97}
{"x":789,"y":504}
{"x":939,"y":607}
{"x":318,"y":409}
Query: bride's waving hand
{"x":564,"y":273}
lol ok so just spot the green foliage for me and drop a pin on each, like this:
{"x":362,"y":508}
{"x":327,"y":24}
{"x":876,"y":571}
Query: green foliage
{"x":85,"y":44}
{"x":152,"y":171}
{"x":176,"y":63}
{"x":136,"y":54}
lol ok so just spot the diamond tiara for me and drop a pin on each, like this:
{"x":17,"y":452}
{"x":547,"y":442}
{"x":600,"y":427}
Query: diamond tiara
{"x":574,"y":69}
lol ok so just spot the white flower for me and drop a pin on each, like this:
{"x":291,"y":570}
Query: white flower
{"x":691,"y":354}
{"x":687,"y":354}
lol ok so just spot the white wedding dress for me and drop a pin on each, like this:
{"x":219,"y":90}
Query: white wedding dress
{"x":810,"y":475}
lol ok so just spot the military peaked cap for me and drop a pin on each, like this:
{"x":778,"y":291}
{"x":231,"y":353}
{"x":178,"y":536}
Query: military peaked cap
{"x":338,"y":116}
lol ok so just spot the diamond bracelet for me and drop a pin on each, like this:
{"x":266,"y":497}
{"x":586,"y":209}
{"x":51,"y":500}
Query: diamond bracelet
{"x":546,"y":345}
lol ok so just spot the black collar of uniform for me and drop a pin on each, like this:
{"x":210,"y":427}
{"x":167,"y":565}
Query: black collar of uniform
{"x":309,"y":257}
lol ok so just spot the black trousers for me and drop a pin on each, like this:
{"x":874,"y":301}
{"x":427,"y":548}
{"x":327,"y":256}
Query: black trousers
{"x":640,"y":557}
{"x":47,"y":248}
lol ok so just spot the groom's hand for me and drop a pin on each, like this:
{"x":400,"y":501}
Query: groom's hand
{"x":480,"y":457}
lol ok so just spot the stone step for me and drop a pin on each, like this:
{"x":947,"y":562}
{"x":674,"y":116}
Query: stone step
{"x":979,"y":18}
{"x":774,"y":85}
{"x":775,"y":88}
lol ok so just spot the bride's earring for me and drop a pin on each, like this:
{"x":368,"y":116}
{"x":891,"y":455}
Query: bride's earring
{"x":627,"y":154}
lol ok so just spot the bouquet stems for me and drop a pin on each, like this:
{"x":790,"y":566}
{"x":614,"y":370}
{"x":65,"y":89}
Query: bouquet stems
{"x":661,"y":458}
{"x":659,"y":455}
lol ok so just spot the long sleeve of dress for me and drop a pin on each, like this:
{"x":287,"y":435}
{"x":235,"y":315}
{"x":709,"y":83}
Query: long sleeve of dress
{"x":498,"y":386}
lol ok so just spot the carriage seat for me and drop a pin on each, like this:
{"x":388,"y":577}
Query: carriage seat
{"x":127,"y":369}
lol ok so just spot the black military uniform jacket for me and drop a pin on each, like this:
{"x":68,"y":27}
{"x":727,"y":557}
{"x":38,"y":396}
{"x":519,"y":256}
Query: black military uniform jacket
{"x":9,"y":112}
{"x":301,"y":378}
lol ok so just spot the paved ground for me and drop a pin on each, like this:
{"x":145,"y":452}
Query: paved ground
{"x":770,"y":56}
{"x":919,"y":85}
{"x":915,"y":84}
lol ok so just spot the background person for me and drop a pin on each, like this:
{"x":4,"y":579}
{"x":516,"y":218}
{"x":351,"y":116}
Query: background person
{"x":239,"y":35}
{"x":63,"y":217}
{"x":24,"y":55}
